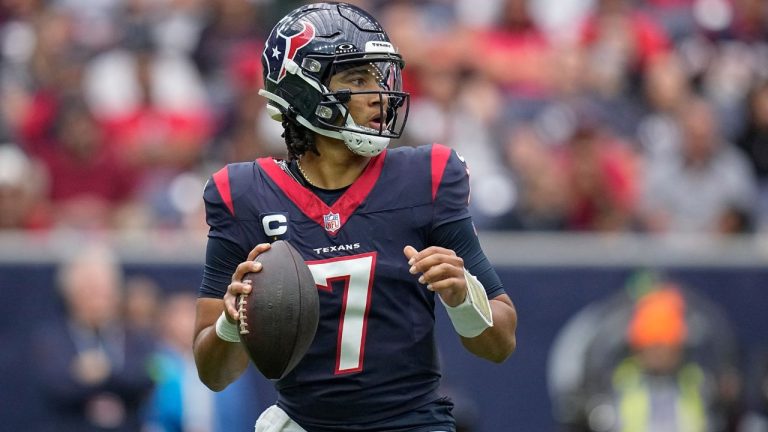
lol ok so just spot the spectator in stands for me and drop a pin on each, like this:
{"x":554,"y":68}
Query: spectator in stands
{"x":152,"y":104}
{"x":600,"y":175}
{"x":754,"y":142}
{"x":23,"y":191}
{"x":142,"y":303}
{"x":435,"y":113}
{"x":90,"y":368}
{"x":156,"y":118}
{"x":515,"y":40}
{"x":51,"y":72}
{"x":705,"y":180}
{"x":243,"y":126}
{"x":570,"y":81}
{"x":619,"y":43}
{"x":174,"y":26}
{"x":228,"y":57}
{"x":228,"y":28}
{"x":540,"y":184}
{"x":180,"y":402}
{"x":730,"y":56}
{"x":665,"y":88}
{"x":91,"y":187}
{"x":675,"y":16}
{"x":415,"y":34}
{"x":745,"y":21}
{"x":619,"y":33}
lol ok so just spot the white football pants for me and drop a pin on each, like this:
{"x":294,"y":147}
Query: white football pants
{"x":274,"y":419}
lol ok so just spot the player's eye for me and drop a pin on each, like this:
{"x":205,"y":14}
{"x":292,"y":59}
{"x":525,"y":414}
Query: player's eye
{"x":358,"y":81}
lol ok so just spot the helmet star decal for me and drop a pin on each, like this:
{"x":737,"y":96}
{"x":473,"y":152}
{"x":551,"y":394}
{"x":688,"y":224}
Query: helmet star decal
{"x":287,"y":45}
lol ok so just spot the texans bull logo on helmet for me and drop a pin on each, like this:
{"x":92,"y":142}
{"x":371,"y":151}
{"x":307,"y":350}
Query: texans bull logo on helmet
{"x":281,"y":48}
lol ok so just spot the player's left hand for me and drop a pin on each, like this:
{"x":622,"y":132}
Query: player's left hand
{"x":441,"y":270}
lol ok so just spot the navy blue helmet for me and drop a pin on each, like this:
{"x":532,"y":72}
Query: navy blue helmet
{"x":314,"y":42}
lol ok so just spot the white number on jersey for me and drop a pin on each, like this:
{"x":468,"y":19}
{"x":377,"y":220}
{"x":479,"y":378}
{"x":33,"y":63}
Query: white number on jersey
{"x":356,"y":271}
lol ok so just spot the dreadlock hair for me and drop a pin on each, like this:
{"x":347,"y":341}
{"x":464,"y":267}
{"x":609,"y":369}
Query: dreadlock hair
{"x":298,"y":139}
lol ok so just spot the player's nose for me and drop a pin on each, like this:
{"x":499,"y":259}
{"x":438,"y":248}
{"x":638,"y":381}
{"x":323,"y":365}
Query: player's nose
{"x":378,"y":100}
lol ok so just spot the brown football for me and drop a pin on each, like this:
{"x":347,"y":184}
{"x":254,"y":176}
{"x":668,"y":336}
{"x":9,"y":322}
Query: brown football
{"x":278,"y":318}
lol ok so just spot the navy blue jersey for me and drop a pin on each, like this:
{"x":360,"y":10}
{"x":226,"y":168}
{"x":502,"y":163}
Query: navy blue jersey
{"x":374,"y":356}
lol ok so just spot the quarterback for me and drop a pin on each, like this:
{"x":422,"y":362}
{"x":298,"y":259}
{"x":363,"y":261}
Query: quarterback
{"x":386,"y":233}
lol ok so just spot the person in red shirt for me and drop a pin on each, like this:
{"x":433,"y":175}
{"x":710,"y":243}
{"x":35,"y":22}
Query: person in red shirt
{"x":22,"y":191}
{"x":601,"y":177}
{"x":515,"y":40}
{"x":90,"y":186}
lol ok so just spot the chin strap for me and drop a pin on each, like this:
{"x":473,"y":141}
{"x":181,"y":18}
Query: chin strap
{"x":364,"y":145}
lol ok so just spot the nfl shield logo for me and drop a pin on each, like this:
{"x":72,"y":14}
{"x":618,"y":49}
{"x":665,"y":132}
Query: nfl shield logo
{"x":332,"y":222}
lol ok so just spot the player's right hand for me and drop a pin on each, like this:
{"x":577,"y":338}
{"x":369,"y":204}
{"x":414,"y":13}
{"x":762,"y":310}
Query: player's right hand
{"x":237,"y":286}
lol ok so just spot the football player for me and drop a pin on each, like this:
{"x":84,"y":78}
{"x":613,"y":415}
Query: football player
{"x":386,"y":234}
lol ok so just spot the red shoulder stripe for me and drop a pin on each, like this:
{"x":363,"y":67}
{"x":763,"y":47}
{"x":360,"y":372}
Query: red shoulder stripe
{"x":221,"y":179}
{"x":440,"y":156}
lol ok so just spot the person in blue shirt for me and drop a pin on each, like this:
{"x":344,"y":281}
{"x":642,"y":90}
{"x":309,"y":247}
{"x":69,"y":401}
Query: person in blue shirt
{"x":179,"y":401}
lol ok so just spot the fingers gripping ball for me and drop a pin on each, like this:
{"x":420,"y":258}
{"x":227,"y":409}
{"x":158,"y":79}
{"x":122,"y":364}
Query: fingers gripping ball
{"x":278,"y":318}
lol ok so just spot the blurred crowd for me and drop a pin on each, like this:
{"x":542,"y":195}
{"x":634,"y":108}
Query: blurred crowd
{"x":117,"y":356}
{"x":576,"y":115}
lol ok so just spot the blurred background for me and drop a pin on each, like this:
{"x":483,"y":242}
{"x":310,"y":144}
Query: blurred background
{"x":618,"y":152}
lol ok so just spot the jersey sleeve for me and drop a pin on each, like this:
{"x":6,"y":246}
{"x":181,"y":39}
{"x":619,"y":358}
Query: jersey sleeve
{"x":221,"y":260}
{"x":450,"y":186}
{"x":224,"y":250}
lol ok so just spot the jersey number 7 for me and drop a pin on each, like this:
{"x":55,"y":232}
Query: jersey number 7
{"x":356,"y":271}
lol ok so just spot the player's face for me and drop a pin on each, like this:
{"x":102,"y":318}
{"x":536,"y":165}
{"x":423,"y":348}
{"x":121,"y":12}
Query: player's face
{"x":368,"y":109}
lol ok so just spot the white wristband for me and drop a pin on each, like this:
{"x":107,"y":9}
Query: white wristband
{"x":225,"y":330}
{"x":473,"y":316}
